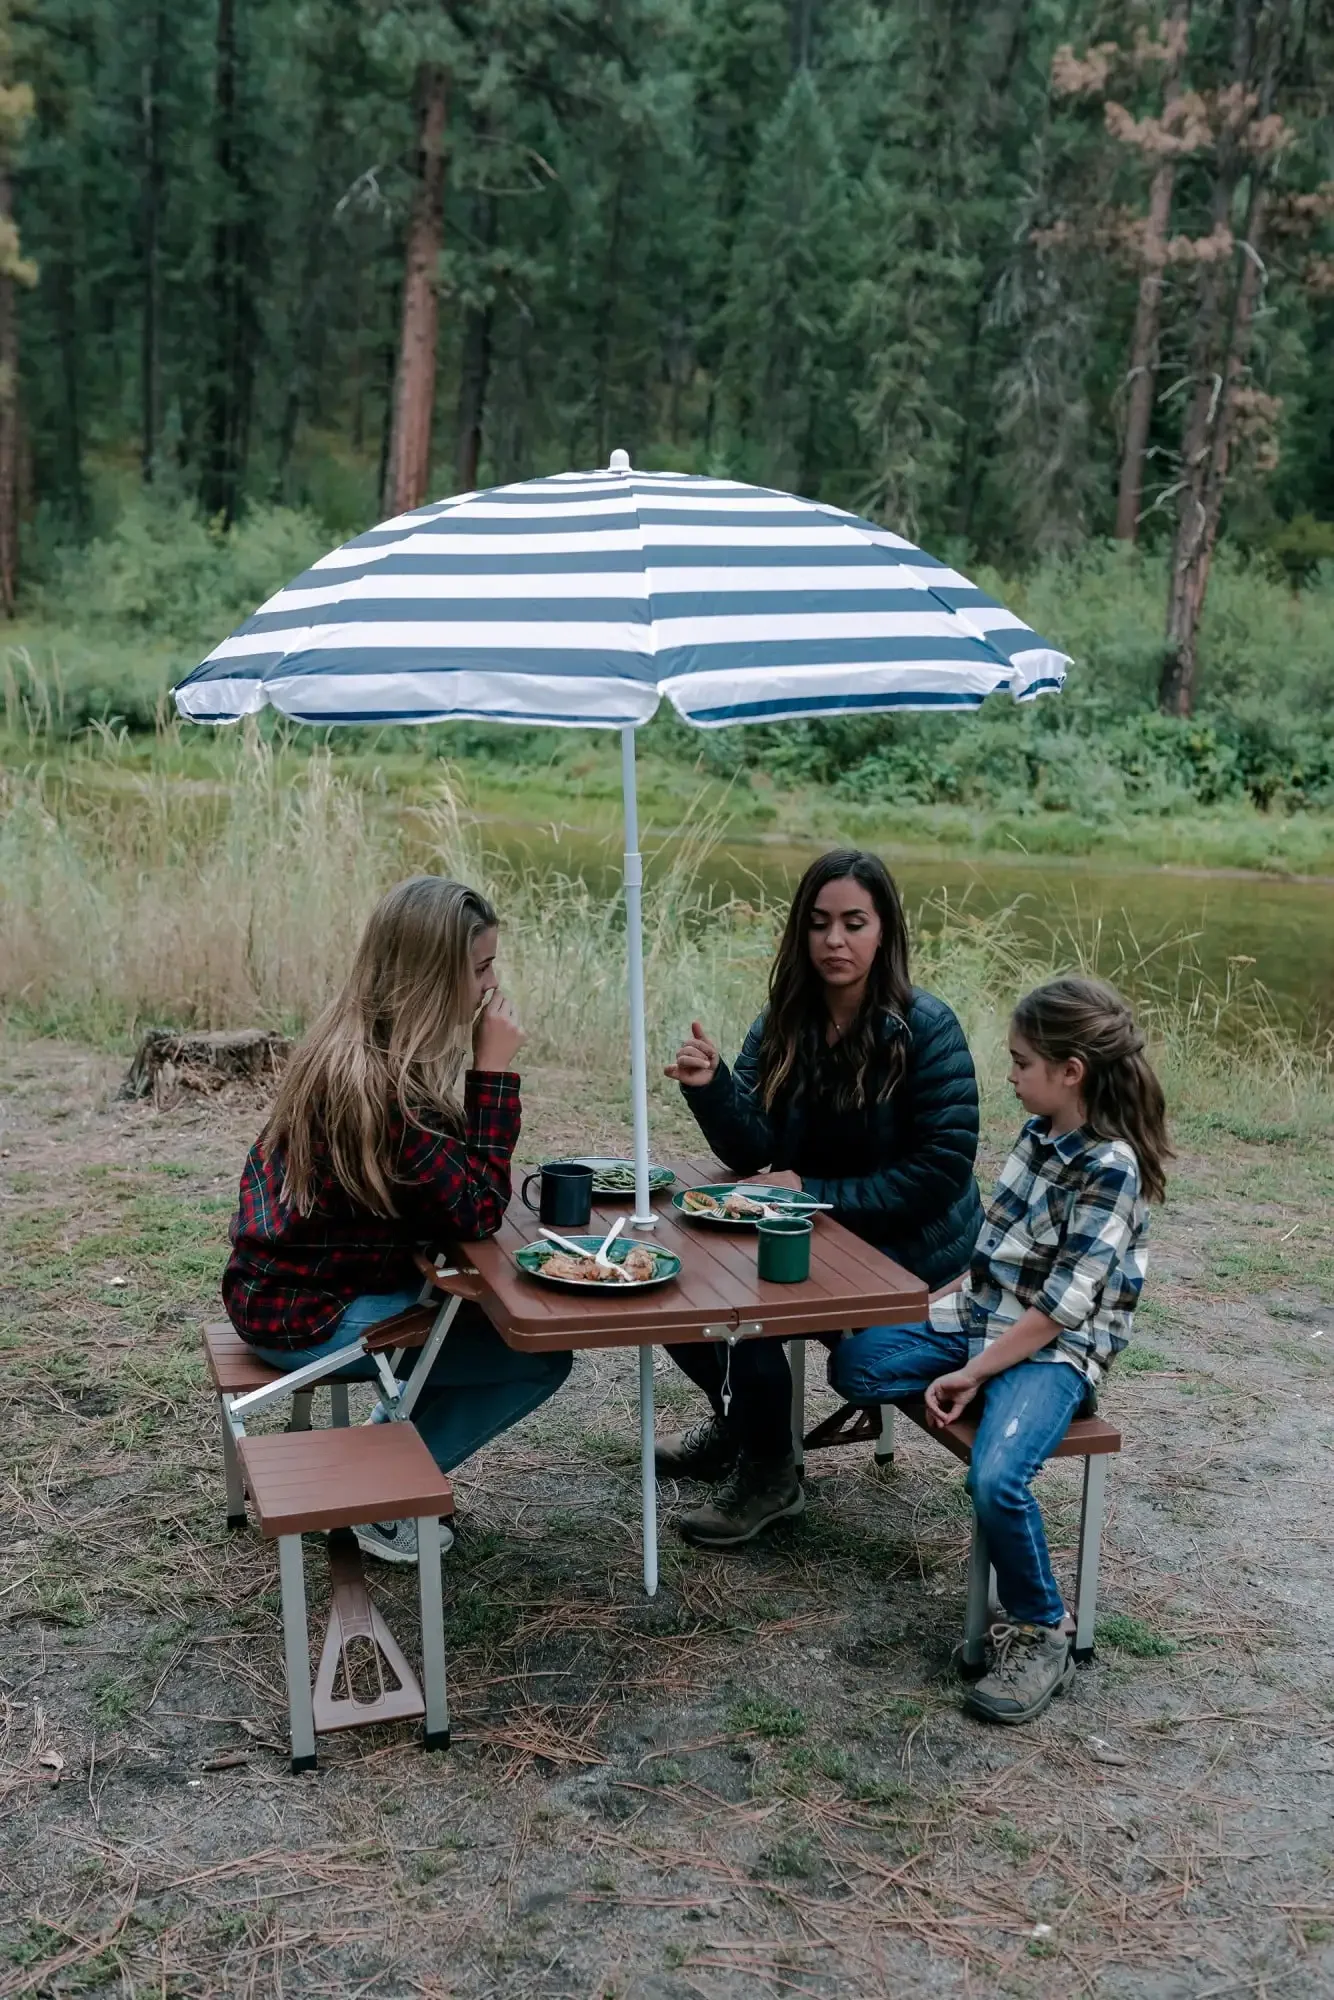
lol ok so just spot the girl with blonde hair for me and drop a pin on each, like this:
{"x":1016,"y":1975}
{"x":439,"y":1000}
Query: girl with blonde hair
{"x":392,"y":1132}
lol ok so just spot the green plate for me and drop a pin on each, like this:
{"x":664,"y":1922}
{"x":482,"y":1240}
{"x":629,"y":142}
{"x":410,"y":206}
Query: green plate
{"x":617,"y":1177}
{"x":533,"y":1256}
{"x":778,"y":1197}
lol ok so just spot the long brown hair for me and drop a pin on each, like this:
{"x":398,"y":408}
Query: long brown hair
{"x":397,"y":1035}
{"x":1123,"y":1098}
{"x":795,"y":1028}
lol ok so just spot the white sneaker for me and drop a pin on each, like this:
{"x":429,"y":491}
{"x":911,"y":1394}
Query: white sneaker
{"x":396,"y":1541}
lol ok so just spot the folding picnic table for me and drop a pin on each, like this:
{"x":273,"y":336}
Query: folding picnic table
{"x":719,"y":1295}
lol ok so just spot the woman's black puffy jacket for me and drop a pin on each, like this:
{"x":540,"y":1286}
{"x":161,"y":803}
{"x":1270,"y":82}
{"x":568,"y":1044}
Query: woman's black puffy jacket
{"x":920,"y":1202}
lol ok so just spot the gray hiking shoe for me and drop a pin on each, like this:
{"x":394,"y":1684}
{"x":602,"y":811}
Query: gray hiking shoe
{"x":1030,"y":1664}
{"x":756,"y":1493}
{"x":706,"y":1451}
{"x":396,"y":1541}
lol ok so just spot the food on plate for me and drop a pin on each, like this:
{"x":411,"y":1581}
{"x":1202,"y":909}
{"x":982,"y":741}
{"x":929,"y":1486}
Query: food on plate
{"x":696,"y":1202}
{"x":639,"y":1263}
{"x":741,"y":1208}
{"x":583,"y":1270}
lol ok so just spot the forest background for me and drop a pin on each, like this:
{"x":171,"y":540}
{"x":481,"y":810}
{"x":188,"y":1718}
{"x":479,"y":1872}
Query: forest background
{"x":1048,"y":285}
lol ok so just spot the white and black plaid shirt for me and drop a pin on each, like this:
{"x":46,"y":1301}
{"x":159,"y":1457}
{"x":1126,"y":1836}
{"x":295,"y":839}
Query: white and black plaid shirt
{"x":1066,"y":1232}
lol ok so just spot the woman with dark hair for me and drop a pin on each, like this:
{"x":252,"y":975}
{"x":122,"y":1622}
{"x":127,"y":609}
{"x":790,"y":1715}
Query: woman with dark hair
{"x":864,"y":1086}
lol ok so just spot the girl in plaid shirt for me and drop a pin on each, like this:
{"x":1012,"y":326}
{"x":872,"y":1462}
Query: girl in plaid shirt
{"x":1044,"y":1308}
{"x":392,"y":1131}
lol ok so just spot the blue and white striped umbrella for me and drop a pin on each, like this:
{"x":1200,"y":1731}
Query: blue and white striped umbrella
{"x":583,"y":599}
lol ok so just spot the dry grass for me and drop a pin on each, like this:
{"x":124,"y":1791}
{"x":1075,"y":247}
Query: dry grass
{"x":128,"y":899}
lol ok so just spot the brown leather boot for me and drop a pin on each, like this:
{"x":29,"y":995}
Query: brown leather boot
{"x":756,"y":1493}
{"x":706,"y":1451}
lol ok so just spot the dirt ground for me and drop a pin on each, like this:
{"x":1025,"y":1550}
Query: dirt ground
{"x":760,"y":1783}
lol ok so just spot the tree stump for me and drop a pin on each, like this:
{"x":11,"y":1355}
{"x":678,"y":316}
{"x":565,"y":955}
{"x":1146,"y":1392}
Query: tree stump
{"x":168,"y":1063}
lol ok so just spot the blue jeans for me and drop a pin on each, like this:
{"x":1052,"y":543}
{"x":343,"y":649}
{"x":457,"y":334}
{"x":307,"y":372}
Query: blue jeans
{"x":1026,"y":1412}
{"x":477,"y":1386}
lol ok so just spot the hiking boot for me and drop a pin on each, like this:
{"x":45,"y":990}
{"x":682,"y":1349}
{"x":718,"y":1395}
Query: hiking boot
{"x":1030,"y":1664}
{"x":396,"y":1541}
{"x":706,"y":1451}
{"x":756,"y":1493}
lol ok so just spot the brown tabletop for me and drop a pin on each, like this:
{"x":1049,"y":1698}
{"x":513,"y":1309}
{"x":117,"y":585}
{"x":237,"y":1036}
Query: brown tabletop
{"x":719,"y":1291}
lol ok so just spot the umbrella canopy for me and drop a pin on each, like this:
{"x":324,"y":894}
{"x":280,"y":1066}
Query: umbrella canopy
{"x":582,"y":600}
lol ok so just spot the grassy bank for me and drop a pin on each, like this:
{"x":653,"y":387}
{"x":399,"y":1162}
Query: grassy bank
{"x":128,"y":898}
{"x":1248,"y":782}
{"x":571,"y":780}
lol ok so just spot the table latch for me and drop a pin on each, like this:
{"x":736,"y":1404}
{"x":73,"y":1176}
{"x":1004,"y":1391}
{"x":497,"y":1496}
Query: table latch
{"x":746,"y":1329}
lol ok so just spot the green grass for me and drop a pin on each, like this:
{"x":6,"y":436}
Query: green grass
{"x":760,"y":1715}
{"x":1131,"y":1635}
{"x":797,"y":1856}
{"x":1140,"y":1360}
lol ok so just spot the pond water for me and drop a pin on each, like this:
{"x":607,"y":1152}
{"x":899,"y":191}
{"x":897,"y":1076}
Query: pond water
{"x":1287,"y":928}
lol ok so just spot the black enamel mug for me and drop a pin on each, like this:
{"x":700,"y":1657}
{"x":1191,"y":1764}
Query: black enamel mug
{"x":566,"y":1199}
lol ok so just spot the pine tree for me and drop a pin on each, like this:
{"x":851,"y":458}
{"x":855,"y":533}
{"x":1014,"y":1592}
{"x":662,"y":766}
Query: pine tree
{"x":785,"y":367}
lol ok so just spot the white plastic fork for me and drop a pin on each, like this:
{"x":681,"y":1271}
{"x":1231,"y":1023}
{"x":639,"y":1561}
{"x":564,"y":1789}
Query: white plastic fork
{"x":563,"y":1242}
{"x":601,"y":1257}
{"x":578,"y":1250}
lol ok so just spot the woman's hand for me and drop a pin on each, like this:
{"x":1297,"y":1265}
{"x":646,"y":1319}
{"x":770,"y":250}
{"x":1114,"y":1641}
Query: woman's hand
{"x":497,"y":1034}
{"x":949,"y":1396}
{"x":696,"y":1060}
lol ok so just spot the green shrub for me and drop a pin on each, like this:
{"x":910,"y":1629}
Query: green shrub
{"x":166,"y":571}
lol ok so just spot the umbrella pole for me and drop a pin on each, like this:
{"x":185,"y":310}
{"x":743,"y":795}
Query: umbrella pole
{"x":643,"y":1215}
{"x":634,"y":946}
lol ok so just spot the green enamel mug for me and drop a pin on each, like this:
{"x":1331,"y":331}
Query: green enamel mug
{"x":784,"y":1254}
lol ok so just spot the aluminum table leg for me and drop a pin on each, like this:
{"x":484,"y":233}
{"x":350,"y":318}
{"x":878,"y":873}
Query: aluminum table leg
{"x":296,"y":1646}
{"x":1090,"y":1551}
{"x":435,"y":1725}
{"x":425,"y":1361}
{"x":647,"y":1477}
{"x":796,"y":1354}
{"x":973,"y":1656}
{"x":231,"y":1467}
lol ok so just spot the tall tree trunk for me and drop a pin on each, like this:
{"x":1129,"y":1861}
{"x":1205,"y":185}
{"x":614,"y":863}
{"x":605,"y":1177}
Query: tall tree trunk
{"x":1204,"y":479}
{"x":1144,"y":339}
{"x":150,"y":211}
{"x":408,"y":462}
{"x":475,"y":369}
{"x":228,"y":391}
{"x":1224,"y":321}
{"x":9,"y":418}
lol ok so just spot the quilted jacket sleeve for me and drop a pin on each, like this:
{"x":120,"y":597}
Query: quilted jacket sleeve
{"x":939,"y":1116}
{"x":728,"y":1111}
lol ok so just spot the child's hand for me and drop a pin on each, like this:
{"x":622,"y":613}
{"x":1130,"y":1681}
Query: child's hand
{"x":949,"y":1396}
{"x":696,"y":1060}
{"x":497,"y":1035}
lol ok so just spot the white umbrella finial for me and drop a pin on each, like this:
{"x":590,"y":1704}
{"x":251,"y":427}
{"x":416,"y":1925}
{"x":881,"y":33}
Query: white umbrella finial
{"x":620,"y":462}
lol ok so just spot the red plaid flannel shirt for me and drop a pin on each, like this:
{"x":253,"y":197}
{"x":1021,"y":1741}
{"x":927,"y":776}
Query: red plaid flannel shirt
{"x":290,"y":1276}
